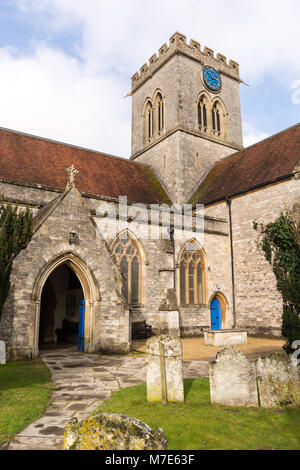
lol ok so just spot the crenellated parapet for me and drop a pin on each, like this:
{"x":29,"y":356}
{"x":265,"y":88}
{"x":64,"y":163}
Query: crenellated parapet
{"x":178,"y":44}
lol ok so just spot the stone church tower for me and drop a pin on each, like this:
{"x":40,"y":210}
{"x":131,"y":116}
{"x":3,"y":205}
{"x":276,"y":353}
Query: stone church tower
{"x":185,"y":114}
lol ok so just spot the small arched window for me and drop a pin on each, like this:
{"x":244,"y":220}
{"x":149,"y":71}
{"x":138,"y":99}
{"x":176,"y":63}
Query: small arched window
{"x":202,"y":114}
{"x":149,"y":118}
{"x":216,"y":119}
{"x":127,"y":257}
{"x":159,"y":113}
{"x":191,"y":275}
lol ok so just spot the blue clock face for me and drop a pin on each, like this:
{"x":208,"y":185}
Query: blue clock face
{"x":211,"y":79}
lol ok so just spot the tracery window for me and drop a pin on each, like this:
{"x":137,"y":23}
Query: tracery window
{"x":127,"y":257}
{"x":191,"y":275}
{"x":153,"y":118}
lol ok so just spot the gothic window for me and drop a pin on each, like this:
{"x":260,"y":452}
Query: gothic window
{"x":216,"y":119}
{"x":191,"y":275}
{"x":127,"y":257}
{"x":153,"y":118}
{"x":202,"y":114}
{"x":148,"y":124}
{"x":159,"y":105}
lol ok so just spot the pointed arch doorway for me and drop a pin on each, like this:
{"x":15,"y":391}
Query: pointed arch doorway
{"x":215,"y":314}
{"x":218,"y":312}
{"x":66,"y":295}
{"x":62,"y":310}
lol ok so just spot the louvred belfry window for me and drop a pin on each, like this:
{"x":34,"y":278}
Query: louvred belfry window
{"x":127,"y":257}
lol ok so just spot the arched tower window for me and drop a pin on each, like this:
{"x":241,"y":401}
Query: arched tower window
{"x":191,"y":275}
{"x":149,"y":121}
{"x":216,"y":119}
{"x":159,"y":107}
{"x":127,"y":257}
{"x":148,"y":124}
{"x":202,"y":114}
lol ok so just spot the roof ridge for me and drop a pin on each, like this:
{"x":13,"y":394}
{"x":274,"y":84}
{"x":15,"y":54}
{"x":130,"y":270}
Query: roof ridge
{"x":257,"y":143}
{"x":47,"y":139}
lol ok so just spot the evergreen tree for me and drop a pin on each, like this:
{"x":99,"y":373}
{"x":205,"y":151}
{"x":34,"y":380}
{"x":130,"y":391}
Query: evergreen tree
{"x":280,"y":242}
{"x":15,"y":234}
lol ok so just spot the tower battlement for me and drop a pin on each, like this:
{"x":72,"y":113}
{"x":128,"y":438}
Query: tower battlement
{"x":178,"y":44}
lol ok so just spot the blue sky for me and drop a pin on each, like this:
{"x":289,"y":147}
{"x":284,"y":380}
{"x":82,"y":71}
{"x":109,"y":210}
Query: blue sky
{"x":66,"y":64}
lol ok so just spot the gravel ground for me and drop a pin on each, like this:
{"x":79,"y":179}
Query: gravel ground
{"x":194,"y":348}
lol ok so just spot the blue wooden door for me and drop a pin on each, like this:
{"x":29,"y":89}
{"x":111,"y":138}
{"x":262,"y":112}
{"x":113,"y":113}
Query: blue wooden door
{"x":81,"y":326}
{"x":215,"y":314}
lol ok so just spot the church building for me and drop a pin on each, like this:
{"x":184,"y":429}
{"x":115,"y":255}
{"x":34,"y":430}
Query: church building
{"x":103,"y":257}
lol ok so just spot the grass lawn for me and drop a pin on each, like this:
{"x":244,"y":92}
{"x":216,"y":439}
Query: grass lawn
{"x":198,"y":425}
{"x":25,"y":389}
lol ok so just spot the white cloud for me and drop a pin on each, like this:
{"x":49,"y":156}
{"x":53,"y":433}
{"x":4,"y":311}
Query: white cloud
{"x":261,"y":35}
{"x":252,"y":135}
{"x":49,"y":93}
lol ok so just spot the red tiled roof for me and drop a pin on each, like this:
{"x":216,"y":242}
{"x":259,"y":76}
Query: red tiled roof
{"x":262,"y":163}
{"x":30,"y":159}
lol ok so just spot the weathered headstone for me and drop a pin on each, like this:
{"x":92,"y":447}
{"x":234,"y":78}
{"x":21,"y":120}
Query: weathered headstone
{"x":232,"y":379}
{"x":164,"y":371}
{"x":112,"y":431}
{"x":278,"y":381}
{"x":2,"y":352}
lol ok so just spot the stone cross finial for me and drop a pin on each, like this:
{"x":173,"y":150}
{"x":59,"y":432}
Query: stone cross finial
{"x":72,"y":173}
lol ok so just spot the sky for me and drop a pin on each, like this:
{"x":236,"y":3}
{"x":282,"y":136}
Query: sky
{"x":66,"y":65}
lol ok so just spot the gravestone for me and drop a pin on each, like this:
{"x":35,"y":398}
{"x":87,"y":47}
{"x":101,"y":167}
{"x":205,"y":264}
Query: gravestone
{"x":2,"y":352}
{"x":278,"y":381}
{"x":232,"y":379}
{"x":164,"y":370}
{"x":112,"y":431}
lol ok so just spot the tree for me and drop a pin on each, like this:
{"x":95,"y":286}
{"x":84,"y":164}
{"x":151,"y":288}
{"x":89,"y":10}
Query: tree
{"x":15,"y":234}
{"x":280,"y":242}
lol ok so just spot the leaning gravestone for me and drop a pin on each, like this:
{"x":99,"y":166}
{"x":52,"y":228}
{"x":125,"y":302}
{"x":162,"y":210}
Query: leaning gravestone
{"x":2,"y":352}
{"x":278,"y":381}
{"x":232,"y":379}
{"x":164,"y":370}
{"x":112,"y":431}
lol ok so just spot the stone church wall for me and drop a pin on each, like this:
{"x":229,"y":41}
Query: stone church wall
{"x":258,"y":303}
{"x":107,"y":320}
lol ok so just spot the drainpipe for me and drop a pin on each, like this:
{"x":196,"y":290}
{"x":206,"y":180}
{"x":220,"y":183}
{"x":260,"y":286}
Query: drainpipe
{"x":171,"y":234}
{"x":228,"y":202}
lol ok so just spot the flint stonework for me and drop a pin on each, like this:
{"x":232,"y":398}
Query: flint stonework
{"x":164,"y":371}
{"x":232,"y":379}
{"x":278,"y":381}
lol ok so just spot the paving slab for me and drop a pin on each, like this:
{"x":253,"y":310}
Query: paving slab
{"x":82,"y":383}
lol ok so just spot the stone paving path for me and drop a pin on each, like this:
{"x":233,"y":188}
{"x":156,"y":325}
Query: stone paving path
{"x":82,"y":383}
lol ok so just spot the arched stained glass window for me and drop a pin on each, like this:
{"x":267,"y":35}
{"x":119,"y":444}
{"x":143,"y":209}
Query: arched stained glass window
{"x":127,"y":257}
{"x":191,"y":275}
